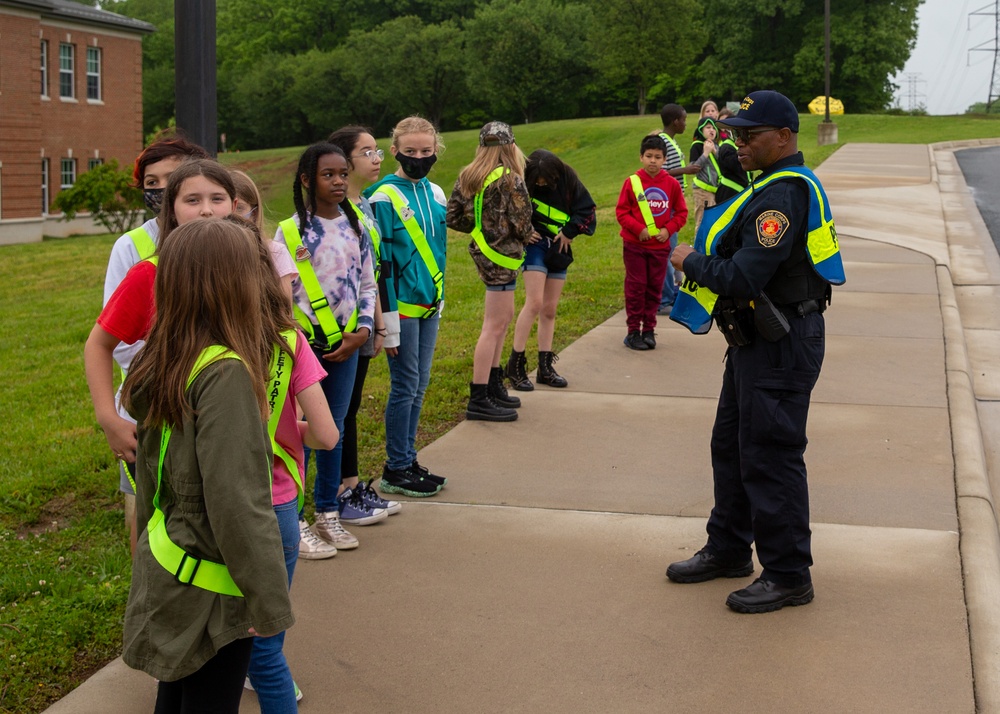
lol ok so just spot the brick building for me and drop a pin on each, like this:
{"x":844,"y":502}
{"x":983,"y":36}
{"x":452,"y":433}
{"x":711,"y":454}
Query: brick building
{"x":70,"y":97}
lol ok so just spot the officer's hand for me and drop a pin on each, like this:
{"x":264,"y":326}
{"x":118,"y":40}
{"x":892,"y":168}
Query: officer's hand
{"x":682,"y":251}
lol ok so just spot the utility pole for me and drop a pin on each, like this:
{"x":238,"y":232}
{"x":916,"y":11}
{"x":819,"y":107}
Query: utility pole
{"x":194,"y":78}
{"x":913,"y":79}
{"x":827,"y":129}
{"x":994,"y":10}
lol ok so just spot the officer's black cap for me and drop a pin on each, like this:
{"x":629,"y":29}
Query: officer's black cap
{"x":765,"y":108}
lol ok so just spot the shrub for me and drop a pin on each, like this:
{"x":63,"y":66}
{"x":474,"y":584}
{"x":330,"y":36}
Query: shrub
{"x":107,"y":194}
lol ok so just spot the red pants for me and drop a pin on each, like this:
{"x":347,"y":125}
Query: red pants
{"x":645,"y":271}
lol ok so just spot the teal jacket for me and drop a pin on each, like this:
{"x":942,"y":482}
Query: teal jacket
{"x":408,"y":279}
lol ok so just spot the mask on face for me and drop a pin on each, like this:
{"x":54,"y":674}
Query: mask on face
{"x":416,"y":167}
{"x":153,"y":198}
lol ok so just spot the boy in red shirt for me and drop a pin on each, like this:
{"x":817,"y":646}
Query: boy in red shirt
{"x":650,"y":209}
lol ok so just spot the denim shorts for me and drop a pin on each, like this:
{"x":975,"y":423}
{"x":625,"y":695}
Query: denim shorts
{"x":509,"y":287}
{"x":534,"y":259}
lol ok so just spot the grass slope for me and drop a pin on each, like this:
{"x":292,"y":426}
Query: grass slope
{"x":62,"y":542}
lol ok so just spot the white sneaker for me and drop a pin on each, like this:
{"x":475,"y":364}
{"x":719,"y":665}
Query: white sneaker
{"x":311,"y":546}
{"x":328,"y":528}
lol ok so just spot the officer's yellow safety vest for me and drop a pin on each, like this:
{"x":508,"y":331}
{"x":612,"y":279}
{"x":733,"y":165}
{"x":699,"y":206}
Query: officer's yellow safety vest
{"x":144,"y":244}
{"x":409,"y":220}
{"x":314,"y":292}
{"x":187,"y":569}
{"x":497,"y":257}
{"x":552,"y":218}
{"x":673,"y":142}
{"x":695,"y":303}
{"x":644,"y":209}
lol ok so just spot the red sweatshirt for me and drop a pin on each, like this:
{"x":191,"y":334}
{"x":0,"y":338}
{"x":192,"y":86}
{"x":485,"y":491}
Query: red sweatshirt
{"x":666,"y":201}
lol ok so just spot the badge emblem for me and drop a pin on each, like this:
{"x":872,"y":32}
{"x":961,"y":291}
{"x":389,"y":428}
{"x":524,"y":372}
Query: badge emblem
{"x":406,"y":214}
{"x":302,"y":253}
{"x":771,"y":225}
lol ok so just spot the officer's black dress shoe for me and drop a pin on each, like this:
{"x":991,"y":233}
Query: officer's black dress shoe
{"x":707,"y":566}
{"x":764,"y":596}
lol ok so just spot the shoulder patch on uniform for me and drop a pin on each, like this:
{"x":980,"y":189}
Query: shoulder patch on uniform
{"x":771,"y":225}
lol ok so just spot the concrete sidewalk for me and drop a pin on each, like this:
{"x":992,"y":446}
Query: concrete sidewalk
{"x":535,"y":580}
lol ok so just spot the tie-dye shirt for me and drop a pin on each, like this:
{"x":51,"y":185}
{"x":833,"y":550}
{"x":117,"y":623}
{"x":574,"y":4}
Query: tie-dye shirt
{"x":343,"y":265}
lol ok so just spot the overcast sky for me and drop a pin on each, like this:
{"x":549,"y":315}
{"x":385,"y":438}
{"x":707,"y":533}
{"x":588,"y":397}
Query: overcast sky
{"x":951,"y":77}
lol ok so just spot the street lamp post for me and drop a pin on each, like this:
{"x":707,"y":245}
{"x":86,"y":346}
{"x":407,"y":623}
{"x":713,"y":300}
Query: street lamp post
{"x":827,"y":129}
{"x":194,"y":78}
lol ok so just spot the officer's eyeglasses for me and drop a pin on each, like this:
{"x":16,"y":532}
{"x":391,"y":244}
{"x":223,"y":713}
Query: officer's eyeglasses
{"x":372,"y":155}
{"x":745,"y":136}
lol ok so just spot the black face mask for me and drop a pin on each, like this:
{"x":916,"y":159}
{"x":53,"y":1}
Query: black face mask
{"x":416,"y":167}
{"x":153,"y":198}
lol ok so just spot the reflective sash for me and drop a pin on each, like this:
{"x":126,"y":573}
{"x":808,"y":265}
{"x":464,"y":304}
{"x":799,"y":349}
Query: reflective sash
{"x":373,"y":233}
{"x":640,"y":197}
{"x":281,"y":377}
{"x":419,"y":240}
{"x":187,"y":569}
{"x":723,"y":181}
{"x":727,"y":182}
{"x":314,"y":291}
{"x":552,"y":218}
{"x":144,"y":244}
{"x":477,"y":233}
{"x":695,"y":303}
{"x":673,"y":142}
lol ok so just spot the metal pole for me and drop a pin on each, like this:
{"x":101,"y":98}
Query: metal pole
{"x":826,"y":21}
{"x":194,"y":74}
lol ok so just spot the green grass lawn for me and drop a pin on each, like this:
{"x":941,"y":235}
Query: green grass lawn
{"x":63,"y":545}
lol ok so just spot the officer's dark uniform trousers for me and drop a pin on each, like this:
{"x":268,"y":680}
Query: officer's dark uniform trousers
{"x":759,"y":437}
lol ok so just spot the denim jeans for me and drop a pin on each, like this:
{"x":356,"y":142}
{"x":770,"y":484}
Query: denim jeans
{"x":269,"y":673}
{"x":669,"y":293}
{"x":409,"y":374}
{"x":337,"y":386}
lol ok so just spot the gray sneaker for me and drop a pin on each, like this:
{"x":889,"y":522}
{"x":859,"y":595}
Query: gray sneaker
{"x":311,"y":546}
{"x":328,"y":528}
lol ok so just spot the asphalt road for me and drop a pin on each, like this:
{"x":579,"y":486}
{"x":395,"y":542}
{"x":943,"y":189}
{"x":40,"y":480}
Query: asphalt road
{"x":982,"y":173}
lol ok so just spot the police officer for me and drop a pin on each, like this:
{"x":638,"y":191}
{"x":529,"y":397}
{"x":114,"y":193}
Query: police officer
{"x":772,"y":261}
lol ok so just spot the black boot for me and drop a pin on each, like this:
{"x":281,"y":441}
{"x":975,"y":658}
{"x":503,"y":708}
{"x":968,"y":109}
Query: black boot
{"x":483,"y":408}
{"x":517,"y":373}
{"x":498,"y":392}
{"x":546,"y":373}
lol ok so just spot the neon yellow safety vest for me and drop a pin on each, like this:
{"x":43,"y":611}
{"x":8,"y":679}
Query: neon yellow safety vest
{"x":408,"y":218}
{"x":144,"y":244}
{"x":277,"y":394}
{"x":673,"y":142}
{"x":497,"y":257}
{"x":695,"y":303}
{"x":640,"y":197}
{"x":187,"y":569}
{"x":552,"y":218}
{"x":314,"y":292}
{"x":373,"y":233}
{"x":723,"y":181}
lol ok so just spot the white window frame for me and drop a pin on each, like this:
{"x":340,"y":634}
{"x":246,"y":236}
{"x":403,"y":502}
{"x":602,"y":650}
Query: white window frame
{"x":64,"y":164}
{"x":95,"y":53}
{"x":45,"y":68}
{"x":94,"y":163}
{"x":69,"y":71}
{"x":45,"y":187}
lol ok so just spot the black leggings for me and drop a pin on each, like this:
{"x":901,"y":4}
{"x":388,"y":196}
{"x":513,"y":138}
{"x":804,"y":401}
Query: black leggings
{"x":349,"y":454}
{"x":216,"y":688}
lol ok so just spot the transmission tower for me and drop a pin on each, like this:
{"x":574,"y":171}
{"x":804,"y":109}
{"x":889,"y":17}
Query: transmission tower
{"x":913,"y":96}
{"x":993,"y":9}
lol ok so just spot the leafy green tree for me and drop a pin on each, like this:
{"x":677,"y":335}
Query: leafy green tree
{"x":778,"y":44}
{"x":647,"y":47}
{"x":528,"y":58}
{"x":107,"y":194}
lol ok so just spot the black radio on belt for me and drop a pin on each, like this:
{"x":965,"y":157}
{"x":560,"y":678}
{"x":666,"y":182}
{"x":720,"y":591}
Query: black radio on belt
{"x":735,"y":323}
{"x":771,"y":323}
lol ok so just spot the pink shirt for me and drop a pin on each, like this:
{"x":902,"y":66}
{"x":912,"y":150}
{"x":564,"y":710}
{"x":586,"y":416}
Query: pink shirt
{"x":306,"y":372}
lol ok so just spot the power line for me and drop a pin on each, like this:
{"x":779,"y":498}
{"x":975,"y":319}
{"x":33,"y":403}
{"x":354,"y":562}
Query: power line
{"x":994,"y":94}
{"x":912,"y":80}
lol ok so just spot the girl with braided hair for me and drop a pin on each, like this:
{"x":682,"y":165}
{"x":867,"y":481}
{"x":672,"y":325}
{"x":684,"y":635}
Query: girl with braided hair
{"x":334,"y":296}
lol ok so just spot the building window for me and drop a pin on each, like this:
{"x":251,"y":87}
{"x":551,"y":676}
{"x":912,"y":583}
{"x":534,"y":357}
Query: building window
{"x":94,"y":163}
{"x":45,"y":186}
{"x":67,"y":173}
{"x":93,"y":73}
{"x":45,"y":68}
{"x":66,"y":71}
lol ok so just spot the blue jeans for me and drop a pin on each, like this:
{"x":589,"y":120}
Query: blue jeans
{"x":337,"y":386}
{"x":669,"y":293}
{"x":409,"y":374}
{"x":269,"y":673}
